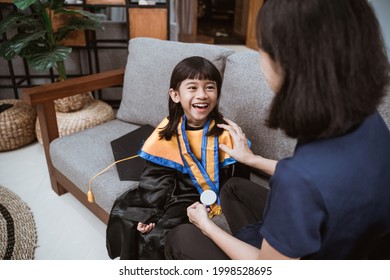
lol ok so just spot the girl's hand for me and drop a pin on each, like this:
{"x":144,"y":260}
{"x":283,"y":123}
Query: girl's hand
{"x":197,"y":214}
{"x":241,"y":151}
{"x":144,"y":228}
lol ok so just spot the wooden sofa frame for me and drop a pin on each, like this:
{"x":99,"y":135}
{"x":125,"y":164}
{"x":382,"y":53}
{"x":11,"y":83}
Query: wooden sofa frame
{"x":42,"y":97}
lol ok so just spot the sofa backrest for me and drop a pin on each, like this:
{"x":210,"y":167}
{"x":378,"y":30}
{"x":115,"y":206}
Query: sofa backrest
{"x":148,"y":72}
{"x":245,"y":94}
{"x":245,"y":99}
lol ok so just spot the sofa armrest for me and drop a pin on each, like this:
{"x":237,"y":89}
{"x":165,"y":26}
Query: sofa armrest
{"x":53,"y":91}
{"x":43,"y":98}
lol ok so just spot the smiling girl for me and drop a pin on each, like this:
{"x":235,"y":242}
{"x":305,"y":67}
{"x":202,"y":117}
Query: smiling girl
{"x":182,"y":161}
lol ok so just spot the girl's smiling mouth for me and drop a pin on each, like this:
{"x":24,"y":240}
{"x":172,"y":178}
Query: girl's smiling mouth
{"x":201,"y":106}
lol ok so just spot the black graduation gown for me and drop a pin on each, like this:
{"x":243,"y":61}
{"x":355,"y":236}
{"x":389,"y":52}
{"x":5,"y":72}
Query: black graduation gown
{"x":162,"y":197}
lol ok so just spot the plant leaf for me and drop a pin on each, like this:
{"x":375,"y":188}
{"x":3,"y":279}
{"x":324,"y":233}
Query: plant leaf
{"x":31,"y":25}
{"x":12,"y":20}
{"x":38,"y":6}
{"x":77,"y":24}
{"x":24,"y":4}
{"x":8,"y":49}
{"x":56,"y":4}
{"x":33,"y":47}
{"x":77,"y":12}
{"x":44,"y":60}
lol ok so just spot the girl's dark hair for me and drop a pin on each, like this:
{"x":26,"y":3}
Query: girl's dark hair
{"x":334,"y":60}
{"x":194,"y":67}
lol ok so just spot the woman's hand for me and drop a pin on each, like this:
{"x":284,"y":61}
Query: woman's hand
{"x":241,"y":151}
{"x":144,"y":228}
{"x":198,"y":215}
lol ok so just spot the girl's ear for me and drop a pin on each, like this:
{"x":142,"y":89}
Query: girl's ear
{"x":174,"y":95}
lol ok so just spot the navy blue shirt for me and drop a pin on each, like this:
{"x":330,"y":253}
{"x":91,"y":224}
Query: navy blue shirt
{"x":331,"y":194}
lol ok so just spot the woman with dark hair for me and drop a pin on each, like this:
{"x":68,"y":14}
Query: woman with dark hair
{"x":326,"y":63}
{"x":182,"y":161}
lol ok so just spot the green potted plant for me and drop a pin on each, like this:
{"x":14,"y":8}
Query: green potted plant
{"x":38,"y":38}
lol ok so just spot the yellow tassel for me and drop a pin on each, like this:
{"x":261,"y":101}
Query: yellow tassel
{"x":90,"y":196}
{"x":215,"y":209}
{"x":90,"y":193}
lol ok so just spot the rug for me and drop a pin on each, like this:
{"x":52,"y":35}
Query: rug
{"x":18,"y":235}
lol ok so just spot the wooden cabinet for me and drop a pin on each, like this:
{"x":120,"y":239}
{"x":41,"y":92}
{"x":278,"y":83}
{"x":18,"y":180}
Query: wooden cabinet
{"x":254,"y":7}
{"x":75,"y":38}
{"x":148,"y":23}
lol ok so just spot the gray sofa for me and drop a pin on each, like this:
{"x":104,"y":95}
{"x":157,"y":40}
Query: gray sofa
{"x":74,"y":159}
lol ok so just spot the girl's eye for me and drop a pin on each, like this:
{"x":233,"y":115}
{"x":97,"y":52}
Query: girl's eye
{"x":211,"y":87}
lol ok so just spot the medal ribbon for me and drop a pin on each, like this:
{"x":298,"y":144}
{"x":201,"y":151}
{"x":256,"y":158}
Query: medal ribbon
{"x":205,"y":173}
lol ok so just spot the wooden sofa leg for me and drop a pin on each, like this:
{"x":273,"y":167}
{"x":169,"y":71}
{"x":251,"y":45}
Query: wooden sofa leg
{"x":58,"y":188}
{"x":55,"y":185}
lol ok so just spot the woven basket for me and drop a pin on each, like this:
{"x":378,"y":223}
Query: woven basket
{"x":94,"y":113}
{"x":17,"y":125}
{"x":72,"y":103}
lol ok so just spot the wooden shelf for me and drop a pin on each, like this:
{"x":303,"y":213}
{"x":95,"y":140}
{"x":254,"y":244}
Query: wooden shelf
{"x":254,"y":7}
{"x":75,"y":38}
{"x":150,"y":22}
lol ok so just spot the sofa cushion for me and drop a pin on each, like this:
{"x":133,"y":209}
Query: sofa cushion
{"x":245,"y":100}
{"x":82,"y":155}
{"x":148,"y":72}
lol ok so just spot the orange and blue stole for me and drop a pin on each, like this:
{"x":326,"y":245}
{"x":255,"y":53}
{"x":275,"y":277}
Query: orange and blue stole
{"x":204,"y":173}
{"x":193,"y":153}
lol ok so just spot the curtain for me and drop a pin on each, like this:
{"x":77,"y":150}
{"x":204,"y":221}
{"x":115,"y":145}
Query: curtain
{"x":185,"y":15}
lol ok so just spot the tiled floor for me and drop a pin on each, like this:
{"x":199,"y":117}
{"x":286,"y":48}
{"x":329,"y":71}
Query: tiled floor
{"x":66,"y":230}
